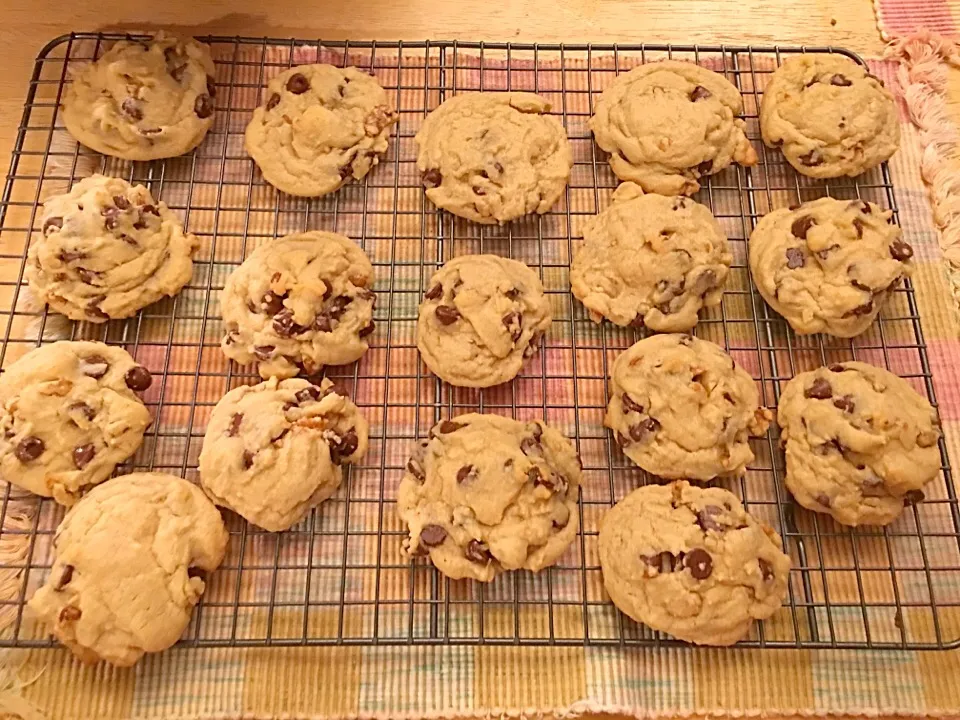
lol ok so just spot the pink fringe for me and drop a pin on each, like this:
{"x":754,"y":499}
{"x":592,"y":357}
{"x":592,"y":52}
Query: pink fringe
{"x":924,"y":61}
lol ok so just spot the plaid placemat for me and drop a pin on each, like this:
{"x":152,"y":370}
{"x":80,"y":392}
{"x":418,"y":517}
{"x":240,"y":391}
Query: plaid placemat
{"x":900,"y":18}
{"x":391,"y":682}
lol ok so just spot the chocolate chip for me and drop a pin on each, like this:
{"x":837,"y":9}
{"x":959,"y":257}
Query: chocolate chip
{"x":858,"y":227}
{"x":449,"y":426}
{"x":766,"y":570}
{"x":273,"y":101}
{"x":622,"y":440}
{"x":467,"y":472}
{"x":272,"y":303}
{"x":151,"y":210}
{"x":819,"y":390}
{"x":802,"y":225}
{"x":823,"y":500}
{"x":844,"y":403}
{"x":95,"y":311}
{"x":447,"y":314}
{"x":435,"y":292}
{"x":54,"y":222}
{"x":864,"y":309}
{"x":70,"y":613}
{"x":203,"y":106}
{"x":707,"y":519}
{"x":234,"y":424}
{"x":30,"y":448}
{"x":65,"y":577}
{"x":705,"y":167}
{"x":431,"y":178}
{"x":416,"y":469}
{"x":138,"y":378}
{"x":132,"y":108}
{"x":82,"y":455}
{"x":477,"y":552}
{"x":121,"y":202}
{"x":346,"y":447}
{"x":534,"y":344}
{"x":840,"y":80}
{"x":367,"y":329}
{"x":247,"y":459}
{"x":264,"y":352}
{"x":338,"y":306}
{"x":211,"y":87}
{"x":699,"y":562}
{"x":298,"y":84}
{"x":94,"y":366}
{"x":913,"y":497}
{"x":901,"y":251}
{"x":346,"y":171}
{"x":811,"y":159}
{"x":534,"y":475}
{"x":699,"y":93}
{"x":629,"y":404}
{"x":513,"y":322}
{"x":432,"y":535}
{"x":837,"y":367}
{"x":308,"y":394}
{"x":477,"y":190}
{"x":531,"y":447}
{"x":284,"y":325}
{"x":795,"y":258}
{"x":637,"y":321}
{"x":81,"y":407}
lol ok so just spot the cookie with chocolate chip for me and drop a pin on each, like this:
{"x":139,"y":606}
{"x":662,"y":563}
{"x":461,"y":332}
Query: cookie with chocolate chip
{"x":651,"y":260}
{"x":274,"y":451}
{"x":129,"y":565}
{"x":692,"y":562}
{"x":319,"y":127}
{"x":829,"y":116}
{"x":484,"y":494}
{"x":299,"y":303}
{"x":668,"y":124}
{"x":481,"y":317}
{"x":107,"y":249}
{"x":828,"y":265}
{"x":681,"y":407}
{"x":143,"y":100}
{"x":493,"y":157}
{"x":860,"y":442}
{"x":69,"y":414}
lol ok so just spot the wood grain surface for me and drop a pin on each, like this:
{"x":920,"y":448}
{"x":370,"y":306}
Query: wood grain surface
{"x":27,"y":25}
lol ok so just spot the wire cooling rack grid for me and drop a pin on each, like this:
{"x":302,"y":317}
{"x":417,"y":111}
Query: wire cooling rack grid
{"x":338,"y":578}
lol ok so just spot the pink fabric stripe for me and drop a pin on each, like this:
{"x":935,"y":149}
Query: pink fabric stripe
{"x":902,"y":17}
{"x":946,"y":376}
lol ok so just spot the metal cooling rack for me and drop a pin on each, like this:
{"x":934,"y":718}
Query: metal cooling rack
{"x":338,"y":578}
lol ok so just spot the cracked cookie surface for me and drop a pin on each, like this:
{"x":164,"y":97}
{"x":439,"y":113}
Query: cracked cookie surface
{"x":481,"y":318}
{"x":828,"y":265}
{"x":860,"y":442}
{"x":299,"y":303}
{"x":493,"y":157}
{"x":143,"y":100}
{"x":319,"y":127}
{"x":69,"y":414}
{"x":829,"y":116}
{"x":691,"y":562}
{"x":651,"y":260}
{"x":680,"y":407}
{"x":125,"y":573}
{"x":486,"y":493}
{"x":668,"y":124}
{"x":274,"y":451}
{"x":107,"y":249}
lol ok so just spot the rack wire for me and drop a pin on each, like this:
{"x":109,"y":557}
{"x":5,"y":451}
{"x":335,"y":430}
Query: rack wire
{"x":338,"y":577}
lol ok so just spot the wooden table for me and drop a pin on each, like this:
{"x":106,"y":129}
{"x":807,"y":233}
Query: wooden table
{"x":26,"y":25}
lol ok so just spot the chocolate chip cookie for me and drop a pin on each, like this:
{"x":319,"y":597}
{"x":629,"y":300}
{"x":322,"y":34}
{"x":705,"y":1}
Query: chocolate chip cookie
{"x":860,"y":442}
{"x":651,"y":260}
{"x":668,"y":124}
{"x":299,"y":303}
{"x":692,"y":562}
{"x":487,"y":493}
{"x":69,"y":414}
{"x":680,"y":407}
{"x":127,"y":569}
{"x":828,"y":265}
{"x":494,"y":157}
{"x":319,"y":127}
{"x":480,"y":319}
{"x":107,"y":249}
{"x":143,"y":100}
{"x":274,"y":451}
{"x":829,"y":116}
